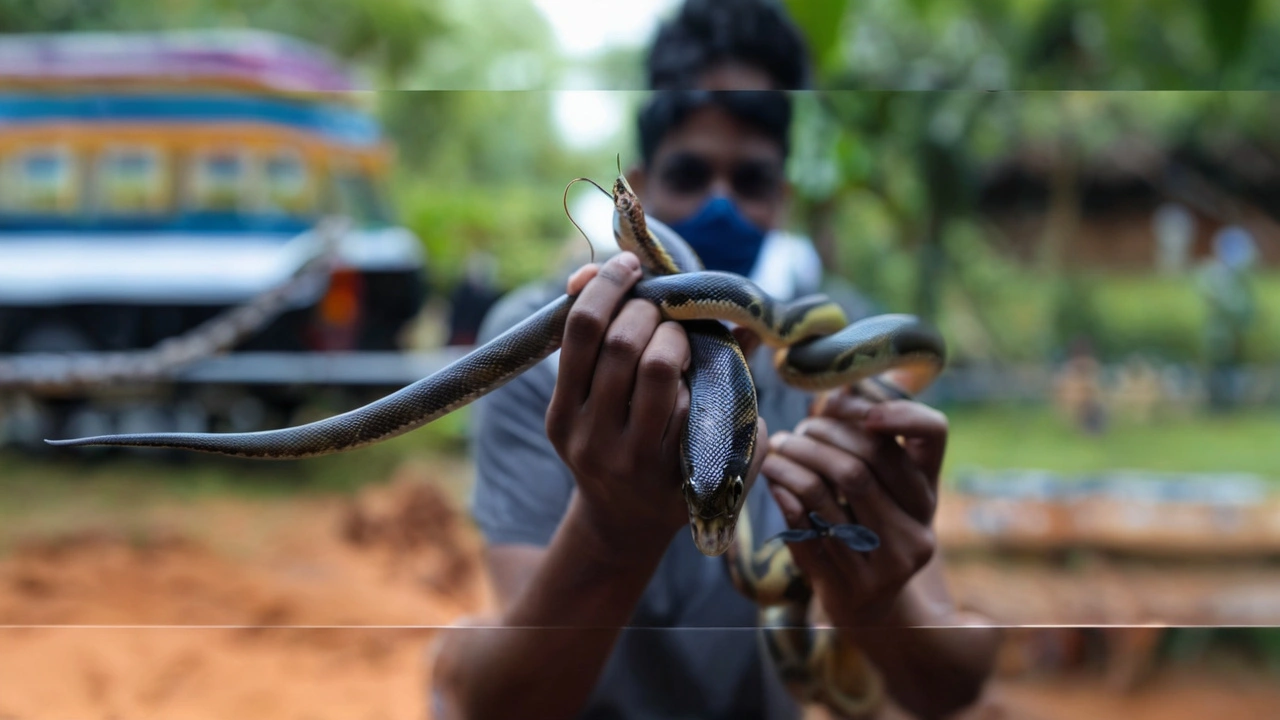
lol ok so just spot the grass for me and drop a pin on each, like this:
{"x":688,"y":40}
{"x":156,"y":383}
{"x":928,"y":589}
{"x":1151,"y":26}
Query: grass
{"x":75,"y":487}
{"x":1034,"y":437}
{"x":72,"y":491}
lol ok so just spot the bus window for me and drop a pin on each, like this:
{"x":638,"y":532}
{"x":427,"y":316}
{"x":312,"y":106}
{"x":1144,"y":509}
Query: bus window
{"x":40,"y":181}
{"x":218,"y":181}
{"x":132,"y":181}
{"x":358,"y":198}
{"x":288,"y":184}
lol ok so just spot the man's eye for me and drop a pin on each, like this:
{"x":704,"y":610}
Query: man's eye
{"x":755,"y":181}
{"x":687,"y":175}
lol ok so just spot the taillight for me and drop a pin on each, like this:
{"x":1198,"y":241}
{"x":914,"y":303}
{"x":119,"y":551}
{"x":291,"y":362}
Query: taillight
{"x":337,"y":321}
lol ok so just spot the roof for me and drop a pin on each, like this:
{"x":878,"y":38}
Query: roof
{"x":229,"y":58}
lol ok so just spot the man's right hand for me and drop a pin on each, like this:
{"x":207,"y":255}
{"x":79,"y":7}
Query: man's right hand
{"x":619,"y":408}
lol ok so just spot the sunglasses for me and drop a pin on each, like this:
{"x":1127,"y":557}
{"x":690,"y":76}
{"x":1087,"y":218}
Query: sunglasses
{"x":690,"y":174}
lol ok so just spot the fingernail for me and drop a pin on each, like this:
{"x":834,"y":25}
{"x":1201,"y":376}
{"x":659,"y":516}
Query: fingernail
{"x":629,"y":260}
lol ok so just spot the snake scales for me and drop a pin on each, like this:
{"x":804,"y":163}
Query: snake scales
{"x":816,"y":349}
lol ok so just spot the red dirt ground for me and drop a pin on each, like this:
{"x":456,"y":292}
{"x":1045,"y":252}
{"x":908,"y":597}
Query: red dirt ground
{"x":206,"y":578}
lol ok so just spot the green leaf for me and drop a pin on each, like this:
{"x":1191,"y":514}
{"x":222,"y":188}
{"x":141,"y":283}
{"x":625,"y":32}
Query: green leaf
{"x":820,"y":21}
{"x":1226,"y":25}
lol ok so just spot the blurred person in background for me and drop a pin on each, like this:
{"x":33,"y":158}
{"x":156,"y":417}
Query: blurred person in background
{"x":1224,"y":284}
{"x":1078,"y":390}
{"x":607,"y":609}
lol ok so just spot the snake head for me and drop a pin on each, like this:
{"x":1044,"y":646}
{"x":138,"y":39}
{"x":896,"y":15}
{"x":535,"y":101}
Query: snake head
{"x":713,"y":516}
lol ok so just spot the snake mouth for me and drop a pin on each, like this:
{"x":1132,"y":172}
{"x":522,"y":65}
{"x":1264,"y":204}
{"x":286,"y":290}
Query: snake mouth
{"x":712,"y":535}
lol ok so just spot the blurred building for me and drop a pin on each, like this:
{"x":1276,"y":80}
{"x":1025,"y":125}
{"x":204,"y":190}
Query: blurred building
{"x":1127,"y":193}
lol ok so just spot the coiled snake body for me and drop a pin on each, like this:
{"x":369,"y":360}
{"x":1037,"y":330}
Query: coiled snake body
{"x":816,"y":349}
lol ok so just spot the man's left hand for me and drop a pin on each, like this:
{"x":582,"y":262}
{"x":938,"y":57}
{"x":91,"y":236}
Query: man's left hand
{"x":847,"y":465}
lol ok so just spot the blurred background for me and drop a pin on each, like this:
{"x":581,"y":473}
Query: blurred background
{"x":1099,"y":243}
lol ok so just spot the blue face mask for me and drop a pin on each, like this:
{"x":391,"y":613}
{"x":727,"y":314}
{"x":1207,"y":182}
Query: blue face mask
{"x":722,"y":237}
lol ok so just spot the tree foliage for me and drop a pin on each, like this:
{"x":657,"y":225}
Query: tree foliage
{"x":876,"y":157}
{"x":386,"y":35}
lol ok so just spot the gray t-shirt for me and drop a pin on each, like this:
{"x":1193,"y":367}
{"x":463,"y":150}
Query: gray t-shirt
{"x":691,"y":649}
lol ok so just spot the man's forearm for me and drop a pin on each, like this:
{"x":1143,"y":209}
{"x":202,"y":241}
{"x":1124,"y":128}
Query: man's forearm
{"x":933,"y":663}
{"x":546,"y":655}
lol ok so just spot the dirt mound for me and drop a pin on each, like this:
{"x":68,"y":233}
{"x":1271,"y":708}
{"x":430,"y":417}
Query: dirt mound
{"x":316,"y":608}
{"x":417,"y":529}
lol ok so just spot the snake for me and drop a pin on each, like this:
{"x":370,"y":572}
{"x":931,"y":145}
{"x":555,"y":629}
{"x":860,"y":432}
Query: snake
{"x":816,"y":349}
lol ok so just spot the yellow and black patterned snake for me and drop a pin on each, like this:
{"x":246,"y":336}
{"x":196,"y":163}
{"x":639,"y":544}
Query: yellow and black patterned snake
{"x":816,"y":349}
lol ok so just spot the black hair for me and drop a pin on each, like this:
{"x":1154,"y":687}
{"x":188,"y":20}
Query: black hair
{"x":706,"y":33}
{"x":768,"y":111}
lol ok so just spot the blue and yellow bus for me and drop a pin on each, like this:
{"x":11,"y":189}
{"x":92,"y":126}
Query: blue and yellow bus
{"x":150,"y":181}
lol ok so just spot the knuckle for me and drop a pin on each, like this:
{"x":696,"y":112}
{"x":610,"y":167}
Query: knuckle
{"x":811,"y":491}
{"x":585,"y":325}
{"x":923,"y":550}
{"x":619,"y":343}
{"x":643,"y":309}
{"x":853,"y":477}
{"x":659,"y":366}
{"x":580,"y":455}
{"x":556,"y":427}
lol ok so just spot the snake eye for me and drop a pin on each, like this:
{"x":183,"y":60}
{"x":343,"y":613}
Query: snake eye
{"x":735,"y":493}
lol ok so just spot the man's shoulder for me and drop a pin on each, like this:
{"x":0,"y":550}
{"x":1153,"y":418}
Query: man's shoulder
{"x":515,"y":306}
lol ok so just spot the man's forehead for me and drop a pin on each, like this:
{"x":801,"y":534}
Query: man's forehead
{"x":712,"y":133}
{"x":732,"y":75}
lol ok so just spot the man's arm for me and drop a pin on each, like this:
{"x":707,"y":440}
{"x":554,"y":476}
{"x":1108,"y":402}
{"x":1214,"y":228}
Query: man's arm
{"x":935,"y":659}
{"x":615,"y":419}
{"x":566,"y":605}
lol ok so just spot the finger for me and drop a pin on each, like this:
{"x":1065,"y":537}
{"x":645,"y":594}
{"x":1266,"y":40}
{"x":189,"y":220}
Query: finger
{"x":886,"y":464}
{"x":673,"y":435}
{"x":809,"y":555}
{"x":658,"y":375}
{"x":907,"y":418}
{"x":784,"y":467}
{"x":924,"y":428}
{"x":586,"y":325}
{"x":580,"y":277}
{"x":624,"y":344}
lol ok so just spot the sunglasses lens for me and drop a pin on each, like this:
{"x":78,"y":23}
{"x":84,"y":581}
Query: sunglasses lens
{"x":687,"y":174}
{"x":756,"y":180}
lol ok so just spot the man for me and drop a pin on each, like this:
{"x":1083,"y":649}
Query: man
{"x":607,"y":608}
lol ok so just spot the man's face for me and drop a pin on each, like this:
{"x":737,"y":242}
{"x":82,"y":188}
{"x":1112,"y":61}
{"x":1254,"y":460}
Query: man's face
{"x":714,"y":153}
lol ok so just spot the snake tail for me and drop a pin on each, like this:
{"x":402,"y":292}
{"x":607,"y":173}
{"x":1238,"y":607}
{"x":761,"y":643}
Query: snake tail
{"x":460,"y":383}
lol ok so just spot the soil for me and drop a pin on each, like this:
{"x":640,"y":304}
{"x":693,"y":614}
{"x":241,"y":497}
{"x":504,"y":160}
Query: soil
{"x":310,"y":609}
{"x":313,"y":608}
